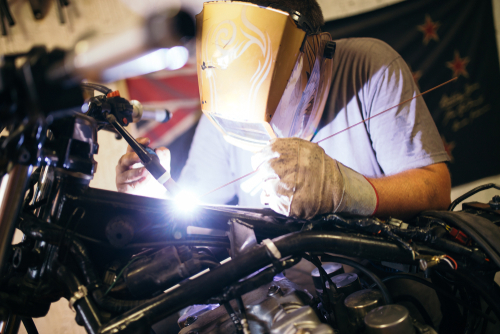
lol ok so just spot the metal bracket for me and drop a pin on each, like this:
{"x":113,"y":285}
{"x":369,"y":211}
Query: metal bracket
{"x":272,"y":250}
{"x":81,"y":293}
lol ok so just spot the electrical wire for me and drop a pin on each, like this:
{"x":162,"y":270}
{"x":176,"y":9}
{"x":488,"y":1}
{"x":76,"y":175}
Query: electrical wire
{"x":121,"y":273}
{"x":383,"y":289}
{"x":447,"y":257}
{"x":98,"y":87}
{"x":325,"y":277}
{"x":449,"y":263}
{"x":470,"y":193}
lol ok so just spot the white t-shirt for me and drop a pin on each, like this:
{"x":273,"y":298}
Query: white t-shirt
{"x":369,"y":77}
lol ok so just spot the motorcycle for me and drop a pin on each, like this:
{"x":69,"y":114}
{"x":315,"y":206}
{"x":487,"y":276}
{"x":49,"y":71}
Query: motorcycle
{"x":125,"y":262}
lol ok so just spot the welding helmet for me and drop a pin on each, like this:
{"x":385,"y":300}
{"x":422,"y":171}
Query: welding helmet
{"x":263,"y":72}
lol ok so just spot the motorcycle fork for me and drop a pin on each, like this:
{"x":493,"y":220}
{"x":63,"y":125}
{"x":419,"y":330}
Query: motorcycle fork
{"x":11,"y":205}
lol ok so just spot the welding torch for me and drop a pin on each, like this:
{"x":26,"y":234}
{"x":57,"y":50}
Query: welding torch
{"x":148,"y":157}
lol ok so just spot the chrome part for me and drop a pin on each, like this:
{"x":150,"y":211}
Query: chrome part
{"x":389,"y":319}
{"x":242,"y":237}
{"x":11,"y":204}
{"x":360,"y":303}
{"x":285,"y":311}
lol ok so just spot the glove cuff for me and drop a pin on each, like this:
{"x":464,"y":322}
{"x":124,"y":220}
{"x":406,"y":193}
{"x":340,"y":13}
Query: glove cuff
{"x":359,"y":196}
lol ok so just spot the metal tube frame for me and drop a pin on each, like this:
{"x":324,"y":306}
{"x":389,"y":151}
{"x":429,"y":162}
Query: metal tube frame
{"x":296,"y":243}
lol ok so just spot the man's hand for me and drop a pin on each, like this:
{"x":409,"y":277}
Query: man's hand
{"x":133,"y":178}
{"x":301,"y":180}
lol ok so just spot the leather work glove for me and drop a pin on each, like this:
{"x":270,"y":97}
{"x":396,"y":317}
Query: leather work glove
{"x":133,"y":178}
{"x":301,"y":180}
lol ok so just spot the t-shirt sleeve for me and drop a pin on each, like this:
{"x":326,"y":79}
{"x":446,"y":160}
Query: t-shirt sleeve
{"x":404,"y":137}
{"x":208,"y":165}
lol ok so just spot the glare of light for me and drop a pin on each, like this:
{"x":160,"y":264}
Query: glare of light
{"x":170,"y":59}
{"x":186,"y":201}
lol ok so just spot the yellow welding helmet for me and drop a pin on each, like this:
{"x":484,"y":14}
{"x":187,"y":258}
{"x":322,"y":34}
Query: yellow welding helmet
{"x":262,"y":72}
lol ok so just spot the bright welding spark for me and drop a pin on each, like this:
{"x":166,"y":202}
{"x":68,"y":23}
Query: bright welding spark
{"x":186,"y":201}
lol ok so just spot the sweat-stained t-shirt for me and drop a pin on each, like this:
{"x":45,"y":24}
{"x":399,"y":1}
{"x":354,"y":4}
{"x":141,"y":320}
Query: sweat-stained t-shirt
{"x":369,"y":77}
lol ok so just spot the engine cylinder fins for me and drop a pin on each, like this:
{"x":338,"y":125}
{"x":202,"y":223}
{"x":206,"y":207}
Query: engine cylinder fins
{"x":389,"y":319}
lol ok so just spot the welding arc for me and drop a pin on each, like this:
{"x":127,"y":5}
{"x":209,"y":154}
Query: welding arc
{"x":336,"y":133}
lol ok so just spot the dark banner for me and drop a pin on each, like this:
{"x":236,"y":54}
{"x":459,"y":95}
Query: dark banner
{"x":440,"y":40}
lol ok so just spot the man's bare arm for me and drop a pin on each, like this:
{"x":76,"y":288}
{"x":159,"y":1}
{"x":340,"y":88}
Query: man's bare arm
{"x":407,"y":193}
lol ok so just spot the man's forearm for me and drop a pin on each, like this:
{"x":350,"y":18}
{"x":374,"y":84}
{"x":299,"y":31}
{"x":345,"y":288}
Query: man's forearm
{"x":405,"y":194}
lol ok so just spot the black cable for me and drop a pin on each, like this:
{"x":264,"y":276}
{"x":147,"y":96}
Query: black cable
{"x":373,"y":277}
{"x":470,"y":193}
{"x":67,"y":227}
{"x":2,"y":23}
{"x":100,"y":88}
{"x":29,"y":325}
{"x":327,"y":303}
{"x":314,"y":260}
{"x":440,"y":290}
{"x":7,"y":13}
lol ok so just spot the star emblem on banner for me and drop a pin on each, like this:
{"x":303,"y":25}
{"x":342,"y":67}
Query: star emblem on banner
{"x":448,"y":147}
{"x":429,"y":29}
{"x":458,"y":65}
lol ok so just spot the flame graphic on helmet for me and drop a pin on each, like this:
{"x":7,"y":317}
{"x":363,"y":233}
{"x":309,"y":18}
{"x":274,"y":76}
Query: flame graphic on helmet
{"x":228,"y":49}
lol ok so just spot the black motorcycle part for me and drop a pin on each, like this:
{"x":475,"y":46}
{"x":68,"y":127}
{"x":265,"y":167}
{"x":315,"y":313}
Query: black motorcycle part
{"x":84,"y":306}
{"x":29,"y":325}
{"x":481,"y":230}
{"x":295,"y":243}
{"x":158,"y":271}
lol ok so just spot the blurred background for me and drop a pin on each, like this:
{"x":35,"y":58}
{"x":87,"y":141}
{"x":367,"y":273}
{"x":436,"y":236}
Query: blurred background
{"x":438,"y":39}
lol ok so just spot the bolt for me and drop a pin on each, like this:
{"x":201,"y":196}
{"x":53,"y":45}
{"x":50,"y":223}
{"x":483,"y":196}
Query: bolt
{"x":191,"y":319}
{"x":24,"y":156}
{"x":495,"y":202}
{"x":16,"y":260}
{"x":423,"y":265}
{"x":273,"y":290}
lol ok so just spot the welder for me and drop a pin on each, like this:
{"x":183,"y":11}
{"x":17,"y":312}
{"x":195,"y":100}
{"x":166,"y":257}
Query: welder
{"x":271,"y":86}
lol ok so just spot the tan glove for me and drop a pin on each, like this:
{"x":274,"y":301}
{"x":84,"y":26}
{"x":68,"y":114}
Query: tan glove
{"x":301,"y":181}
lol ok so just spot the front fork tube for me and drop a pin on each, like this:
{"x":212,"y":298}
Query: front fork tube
{"x":10,"y":325}
{"x":12,"y":201}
